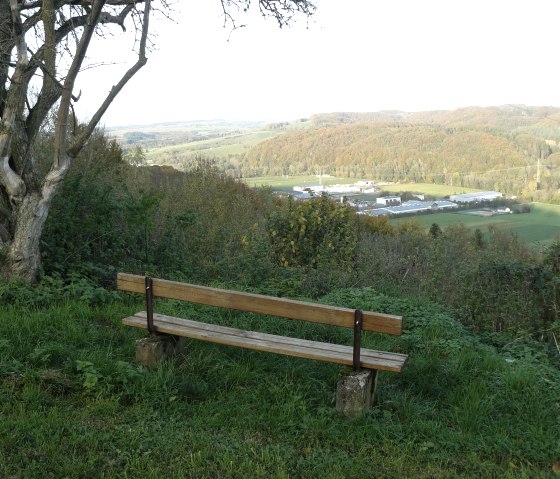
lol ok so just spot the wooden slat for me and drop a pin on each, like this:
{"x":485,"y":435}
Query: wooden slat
{"x":256,"y":303}
{"x":303,"y":348}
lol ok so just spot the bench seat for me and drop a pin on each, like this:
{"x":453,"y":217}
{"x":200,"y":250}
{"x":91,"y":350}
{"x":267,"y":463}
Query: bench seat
{"x":334,"y":353}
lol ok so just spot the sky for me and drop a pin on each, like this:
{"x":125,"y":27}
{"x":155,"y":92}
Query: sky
{"x":352,"y":55}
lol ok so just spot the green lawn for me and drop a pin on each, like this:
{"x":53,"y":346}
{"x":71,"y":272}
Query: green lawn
{"x":286,"y":183}
{"x":539,"y":227}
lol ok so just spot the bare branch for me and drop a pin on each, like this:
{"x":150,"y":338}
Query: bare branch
{"x":61,"y":160}
{"x":81,"y":3}
{"x":283,"y":11}
{"x":142,"y":59}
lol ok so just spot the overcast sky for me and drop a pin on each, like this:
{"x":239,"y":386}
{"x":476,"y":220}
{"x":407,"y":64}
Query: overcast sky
{"x":353,"y":55}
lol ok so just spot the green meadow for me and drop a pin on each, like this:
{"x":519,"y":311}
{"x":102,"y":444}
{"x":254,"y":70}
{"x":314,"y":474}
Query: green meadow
{"x":540,"y":227}
{"x":216,"y":147}
{"x":286,"y":183}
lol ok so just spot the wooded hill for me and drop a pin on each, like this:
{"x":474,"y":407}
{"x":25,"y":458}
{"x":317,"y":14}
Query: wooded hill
{"x":488,"y":148}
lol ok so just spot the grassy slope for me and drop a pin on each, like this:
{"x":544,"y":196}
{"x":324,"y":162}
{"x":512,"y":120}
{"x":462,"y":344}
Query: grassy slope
{"x":74,"y":405}
{"x":217,"y":147}
{"x":540,"y":227}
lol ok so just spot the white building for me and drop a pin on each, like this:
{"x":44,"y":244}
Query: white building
{"x":312,"y":188}
{"x":342,"y":189}
{"x":388,"y":200}
{"x":410,"y":207}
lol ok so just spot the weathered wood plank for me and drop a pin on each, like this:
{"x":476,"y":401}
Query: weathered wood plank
{"x":334,"y":353}
{"x":249,"y":334}
{"x":285,"y":308}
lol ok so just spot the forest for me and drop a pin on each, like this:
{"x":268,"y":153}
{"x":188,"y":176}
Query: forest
{"x":481,"y":149}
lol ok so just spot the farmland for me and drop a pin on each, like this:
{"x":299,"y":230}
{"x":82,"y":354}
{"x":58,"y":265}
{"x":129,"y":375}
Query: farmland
{"x":286,"y":183}
{"x":540,"y":227}
{"x":215,"y":147}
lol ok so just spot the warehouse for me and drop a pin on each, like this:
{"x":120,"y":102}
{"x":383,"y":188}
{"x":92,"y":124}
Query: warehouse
{"x":476,"y":197}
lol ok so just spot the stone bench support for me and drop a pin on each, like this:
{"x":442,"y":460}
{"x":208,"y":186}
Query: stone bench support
{"x":153,"y":349}
{"x":355,"y":391}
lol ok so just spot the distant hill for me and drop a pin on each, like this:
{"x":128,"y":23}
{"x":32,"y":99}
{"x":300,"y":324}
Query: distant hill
{"x":495,"y":148}
{"x":542,"y":121}
{"x":161,"y":135}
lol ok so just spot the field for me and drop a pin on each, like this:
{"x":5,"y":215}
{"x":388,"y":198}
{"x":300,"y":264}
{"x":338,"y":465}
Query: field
{"x":286,"y":183}
{"x":216,"y":147}
{"x":539,"y":227}
{"x":439,"y":191}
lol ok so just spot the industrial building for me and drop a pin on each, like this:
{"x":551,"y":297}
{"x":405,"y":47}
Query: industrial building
{"x":476,"y":197}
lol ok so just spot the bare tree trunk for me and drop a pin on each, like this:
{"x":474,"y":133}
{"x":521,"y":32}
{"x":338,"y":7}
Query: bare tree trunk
{"x":23,"y":258}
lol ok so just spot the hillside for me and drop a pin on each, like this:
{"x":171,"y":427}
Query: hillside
{"x":489,"y":148}
{"x":541,"y":121}
{"x":477,"y":157}
{"x":485,"y":148}
{"x":74,"y":404}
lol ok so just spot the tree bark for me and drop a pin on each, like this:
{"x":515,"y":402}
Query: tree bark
{"x":24,"y":259}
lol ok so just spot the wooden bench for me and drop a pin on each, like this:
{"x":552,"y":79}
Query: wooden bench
{"x":353,"y":355}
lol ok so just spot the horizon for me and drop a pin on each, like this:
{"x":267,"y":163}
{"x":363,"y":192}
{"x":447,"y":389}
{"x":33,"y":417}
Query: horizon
{"x":361,"y":57}
{"x":267,"y":120}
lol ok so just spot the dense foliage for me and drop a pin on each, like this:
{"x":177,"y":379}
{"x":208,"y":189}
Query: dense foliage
{"x":203,"y":226}
{"x":313,"y":233}
{"x":469,"y":156}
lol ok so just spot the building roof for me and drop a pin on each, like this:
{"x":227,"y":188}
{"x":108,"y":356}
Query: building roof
{"x":474,"y":196}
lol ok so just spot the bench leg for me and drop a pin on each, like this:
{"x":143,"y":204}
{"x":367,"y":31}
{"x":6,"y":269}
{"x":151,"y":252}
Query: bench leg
{"x":152,"y":350}
{"x":355,"y":391}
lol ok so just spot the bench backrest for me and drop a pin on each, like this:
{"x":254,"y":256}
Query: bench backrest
{"x":256,"y":303}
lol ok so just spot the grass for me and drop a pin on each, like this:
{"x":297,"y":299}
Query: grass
{"x":439,"y":191}
{"x":216,"y":147}
{"x":286,"y":183}
{"x":540,"y":227}
{"x":73,"y":404}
